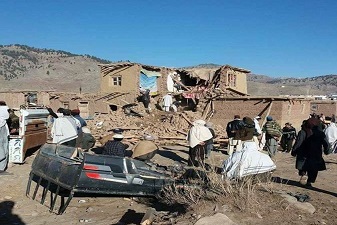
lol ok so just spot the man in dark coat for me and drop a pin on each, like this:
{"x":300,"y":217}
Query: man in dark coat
{"x":288,"y":136}
{"x":309,"y":158}
{"x":146,"y":99}
{"x":234,"y":126}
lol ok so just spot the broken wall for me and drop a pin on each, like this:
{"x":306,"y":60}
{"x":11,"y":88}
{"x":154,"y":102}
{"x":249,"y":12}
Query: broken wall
{"x":88,"y":103}
{"x":227,"y":75}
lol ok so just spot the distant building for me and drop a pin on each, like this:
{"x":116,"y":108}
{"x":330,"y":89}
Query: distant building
{"x":320,"y":97}
{"x":333,"y":96}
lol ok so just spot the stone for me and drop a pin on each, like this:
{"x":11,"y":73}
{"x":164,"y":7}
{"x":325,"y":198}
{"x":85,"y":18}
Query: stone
{"x":305,"y":206}
{"x":149,"y":216}
{"x":217,"y":218}
{"x":8,"y":197}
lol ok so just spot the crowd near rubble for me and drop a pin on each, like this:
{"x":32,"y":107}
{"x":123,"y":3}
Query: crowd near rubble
{"x":250,"y":145}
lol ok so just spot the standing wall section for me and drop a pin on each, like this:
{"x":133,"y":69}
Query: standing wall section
{"x":294,"y":111}
{"x":328,"y":107}
{"x":13,"y":99}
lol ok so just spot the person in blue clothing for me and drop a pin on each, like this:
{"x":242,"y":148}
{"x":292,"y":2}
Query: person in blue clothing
{"x":76,"y":114}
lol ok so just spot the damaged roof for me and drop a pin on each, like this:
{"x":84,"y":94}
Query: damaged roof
{"x":201,"y":73}
{"x":108,"y":68}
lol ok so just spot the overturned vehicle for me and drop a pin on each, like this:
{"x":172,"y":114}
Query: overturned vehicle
{"x":65,"y":171}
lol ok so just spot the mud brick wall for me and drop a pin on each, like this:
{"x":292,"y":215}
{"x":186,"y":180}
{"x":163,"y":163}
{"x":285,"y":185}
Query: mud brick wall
{"x":226,"y":109}
{"x":282,"y":110}
{"x":327,"y":107}
{"x":294,"y":112}
{"x":43,"y":98}
{"x":130,"y":80}
{"x":13,"y":99}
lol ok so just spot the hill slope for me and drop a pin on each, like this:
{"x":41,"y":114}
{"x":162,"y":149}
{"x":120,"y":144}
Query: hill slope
{"x":23,"y":67}
{"x":264,"y":85}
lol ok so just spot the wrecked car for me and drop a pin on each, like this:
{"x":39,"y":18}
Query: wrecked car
{"x":66,"y":171}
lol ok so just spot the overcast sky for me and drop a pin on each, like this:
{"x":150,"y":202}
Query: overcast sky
{"x":288,"y":38}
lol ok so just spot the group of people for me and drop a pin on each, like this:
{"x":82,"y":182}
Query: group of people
{"x":69,"y":129}
{"x":308,"y":146}
{"x":266,"y":137}
{"x":168,"y":103}
{"x":247,"y":159}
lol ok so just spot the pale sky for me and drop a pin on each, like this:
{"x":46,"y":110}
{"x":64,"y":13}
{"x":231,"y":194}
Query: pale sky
{"x":280,"y":38}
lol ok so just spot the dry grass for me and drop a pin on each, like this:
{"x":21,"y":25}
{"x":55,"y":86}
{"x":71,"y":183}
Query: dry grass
{"x":210,"y":185}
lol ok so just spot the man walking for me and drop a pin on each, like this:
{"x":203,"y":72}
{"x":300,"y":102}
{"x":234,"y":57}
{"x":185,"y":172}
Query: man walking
{"x":273,"y":134}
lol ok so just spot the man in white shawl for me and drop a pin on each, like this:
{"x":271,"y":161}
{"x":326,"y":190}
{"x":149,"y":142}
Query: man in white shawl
{"x":4,"y":132}
{"x":331,"y":135}
{"x":248,"y":160}
{"x":65,"y":130}
{"x":167,"y":102}
{"x":196,"y":138}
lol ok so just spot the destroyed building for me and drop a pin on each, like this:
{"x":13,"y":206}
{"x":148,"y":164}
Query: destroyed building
{"x":219,"y":92}
{"x":128,"y":79}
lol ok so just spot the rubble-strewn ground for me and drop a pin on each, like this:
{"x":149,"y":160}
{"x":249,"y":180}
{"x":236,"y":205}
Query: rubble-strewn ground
{"x":267,"y":207}
{"x":264,"y":204}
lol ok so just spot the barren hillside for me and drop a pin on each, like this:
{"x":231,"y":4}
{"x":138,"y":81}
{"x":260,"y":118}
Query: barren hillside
{"x":264,"y":85}
{"x":23,"y":67}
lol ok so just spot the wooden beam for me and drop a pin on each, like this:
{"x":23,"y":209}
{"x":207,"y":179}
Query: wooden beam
{"x":185,"y":117}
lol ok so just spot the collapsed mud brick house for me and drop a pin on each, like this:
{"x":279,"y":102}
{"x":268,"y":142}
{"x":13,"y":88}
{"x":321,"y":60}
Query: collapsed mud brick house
{"x":124,"y":81}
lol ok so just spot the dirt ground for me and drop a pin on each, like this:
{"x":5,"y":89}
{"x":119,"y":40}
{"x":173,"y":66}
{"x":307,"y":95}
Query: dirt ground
{"x":266,"y":206}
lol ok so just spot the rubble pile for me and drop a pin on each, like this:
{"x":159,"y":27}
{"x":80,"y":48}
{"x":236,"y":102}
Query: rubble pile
{"x":163,"y":126}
